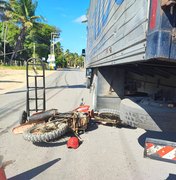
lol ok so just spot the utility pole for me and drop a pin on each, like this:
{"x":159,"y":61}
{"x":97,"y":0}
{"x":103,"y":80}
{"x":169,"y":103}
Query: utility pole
{"x":53,"y":36}
{"x":5,"y":33}
{"x":2,"y":36}
{"x":2,"y":33}
{"x":53,"y":44}
{"x":52,"y":55}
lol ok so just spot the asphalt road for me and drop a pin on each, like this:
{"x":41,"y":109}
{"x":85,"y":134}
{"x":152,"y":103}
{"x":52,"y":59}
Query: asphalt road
{"x":106,"y":153}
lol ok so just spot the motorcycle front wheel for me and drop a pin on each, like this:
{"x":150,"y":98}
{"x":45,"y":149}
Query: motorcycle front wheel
{"x":45,"y":132}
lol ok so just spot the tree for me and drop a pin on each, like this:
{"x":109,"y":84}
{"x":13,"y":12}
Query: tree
{"x":80,"y":61}
{"x":5,"y":8}
{"x":59,"y":55}
{"x":9,"y":33}
{"x":24,"y":15}
{"x":67,"y":57}
{"x":4,"y":17}
{"x":73,"y":59}
{"x":61,"y":61}
{"x":41,"y":36}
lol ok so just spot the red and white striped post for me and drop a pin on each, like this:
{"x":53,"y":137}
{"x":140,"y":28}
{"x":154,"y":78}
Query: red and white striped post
{"x":160,"y":150}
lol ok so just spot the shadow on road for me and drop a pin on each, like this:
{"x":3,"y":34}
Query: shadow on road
{"x":13,"y":92}
{"x":92,"y":126}
{"x":125,"y":126}
{"x":156,"y":135}
{"x":171,"y":177}
{"x":68,"y":69}
{"x":49,"y":144}
{"x":79,"y":86}
{"x":7,"y":81}
{"x":30,"y":174}
{"x":68,"y":86}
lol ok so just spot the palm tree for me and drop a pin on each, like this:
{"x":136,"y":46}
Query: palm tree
{"x":5,"y":10}
{"x":67,"y":56}
{"x":75,"y":55}
{"x":4,"y":7}
{"x":23,"y":14}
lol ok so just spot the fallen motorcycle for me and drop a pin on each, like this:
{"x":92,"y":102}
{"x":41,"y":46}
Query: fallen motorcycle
{"x":58,"y":124}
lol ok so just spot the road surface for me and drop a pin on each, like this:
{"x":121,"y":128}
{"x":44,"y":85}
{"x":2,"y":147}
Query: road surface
{"x":106,"y":153}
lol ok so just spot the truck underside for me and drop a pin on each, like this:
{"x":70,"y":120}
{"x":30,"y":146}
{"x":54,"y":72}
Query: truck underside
{"x":143,"y":94}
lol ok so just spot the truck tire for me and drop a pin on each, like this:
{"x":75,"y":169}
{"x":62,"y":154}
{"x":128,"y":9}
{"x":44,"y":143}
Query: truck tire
{"x":29,"y":134}
{"x":88,"y":83}
{"x":131,"y":113}
{"x":147,"y":114}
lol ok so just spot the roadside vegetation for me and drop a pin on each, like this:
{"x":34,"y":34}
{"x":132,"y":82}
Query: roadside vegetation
{"x":13,"y":67}
{"x":23,"y":35}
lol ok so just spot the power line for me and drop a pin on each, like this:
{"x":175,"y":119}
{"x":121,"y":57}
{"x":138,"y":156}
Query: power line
{"x":13,"y":52}
{"x":42,"y":38}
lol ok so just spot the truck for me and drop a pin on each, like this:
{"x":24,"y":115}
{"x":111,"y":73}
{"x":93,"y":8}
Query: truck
{"x":131,"y":61}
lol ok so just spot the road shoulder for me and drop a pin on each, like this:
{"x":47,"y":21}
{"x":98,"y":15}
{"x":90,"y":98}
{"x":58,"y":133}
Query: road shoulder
{"x":14,"y":79}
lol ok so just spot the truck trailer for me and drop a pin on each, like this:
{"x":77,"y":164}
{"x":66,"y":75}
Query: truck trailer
{"x":131,"y":61}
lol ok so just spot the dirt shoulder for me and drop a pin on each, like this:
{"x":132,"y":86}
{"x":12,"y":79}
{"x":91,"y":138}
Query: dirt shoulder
{"x":13,"y":79}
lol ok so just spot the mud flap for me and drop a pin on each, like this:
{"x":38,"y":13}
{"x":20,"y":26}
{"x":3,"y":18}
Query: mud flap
{"x":160,"y":150}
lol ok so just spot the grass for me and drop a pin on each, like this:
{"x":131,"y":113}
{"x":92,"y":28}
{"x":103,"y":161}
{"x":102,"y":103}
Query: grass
{"x":6,"y":67}
{"x":3,"y":67}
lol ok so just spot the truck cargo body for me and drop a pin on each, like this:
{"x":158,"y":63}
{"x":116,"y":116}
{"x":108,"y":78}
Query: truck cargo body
{"x":131,"y":51}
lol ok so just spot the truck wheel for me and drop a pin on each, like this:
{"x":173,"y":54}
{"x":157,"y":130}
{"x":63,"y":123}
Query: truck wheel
{"x":88,"y":83}
{"x":45,"y":132}
{"x":140,"y":115}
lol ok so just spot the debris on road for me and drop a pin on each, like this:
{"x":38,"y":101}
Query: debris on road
{"x":73,"y":142}
{"x":23,"y":127}
{"x":107,"y":118}
{"x":37,"y":118}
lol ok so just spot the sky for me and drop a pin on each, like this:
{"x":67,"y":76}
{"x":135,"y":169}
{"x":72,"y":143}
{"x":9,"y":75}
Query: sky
{"x":67,"y":16}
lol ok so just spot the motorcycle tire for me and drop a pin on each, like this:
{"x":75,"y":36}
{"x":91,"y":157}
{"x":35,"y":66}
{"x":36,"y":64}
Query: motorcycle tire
{"x":29,"y":134}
